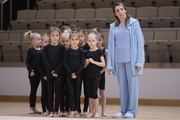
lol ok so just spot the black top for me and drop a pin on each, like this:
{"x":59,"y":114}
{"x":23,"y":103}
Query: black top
{"x":53,"y":57}
{"x":85,"y":47}
{"x":32,"y":58}
{"x":92,"y":70}
{"x":41,"y":64}
{"x":74,"y":61}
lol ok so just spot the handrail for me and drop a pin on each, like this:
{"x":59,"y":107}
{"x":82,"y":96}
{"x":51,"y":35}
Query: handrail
{"x":2,"y":13}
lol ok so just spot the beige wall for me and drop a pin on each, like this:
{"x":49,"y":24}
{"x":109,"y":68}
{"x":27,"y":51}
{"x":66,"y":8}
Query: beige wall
{"x":154,"y":83}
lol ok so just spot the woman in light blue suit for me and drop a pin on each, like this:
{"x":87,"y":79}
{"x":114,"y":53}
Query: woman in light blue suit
{"x":126,"y":59}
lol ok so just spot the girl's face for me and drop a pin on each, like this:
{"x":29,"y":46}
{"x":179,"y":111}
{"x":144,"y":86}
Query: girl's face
{"x":100,"y":41}
{"x":36,"y":41}
{"x":74,"y":40}
{"x":92,"y":41}
{"x":65,"y":42}
{"x":45,"y":41}
{"x":120,"y":12}
{"x":54,"y":37}
{"x":82,"y":37}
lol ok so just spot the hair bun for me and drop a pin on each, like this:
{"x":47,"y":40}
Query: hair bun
{"x":66,"y":32}
{"x":27,"y":35}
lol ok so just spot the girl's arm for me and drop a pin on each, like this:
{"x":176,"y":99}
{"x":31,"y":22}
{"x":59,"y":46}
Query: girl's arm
{"x":46,"y":62}
{"x":82,"y":64}
{"x":66,"y":62}
{"x":28,"y":59}
{"x":59,"y":67}
{"x":39,"y":62}
{"x":86,"y":63}
{"x":100,"y":64}
{"x":104,"y":68}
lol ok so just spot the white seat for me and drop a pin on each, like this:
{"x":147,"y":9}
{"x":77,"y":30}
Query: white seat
{"x":146,"y":12}
{"x":23,"y":16}
{"x":143,"y":3}
{"x":162,"y":22}
{"x":86,"y":13}
{"x":158,"y":51}
{"x":80,"y":23}
{"x":42,"y":18}
{"x":45,"y":4}
{"x":11,"y":51}
{"x":64,"y":4}
{"x":168,"y":11}
{"x":131,"y":11}
{"x":99,"y":13}
{"x":164,"y":34}
{"x":144,"y":22}
{"x":160,"y":3}
{"x":83,"y":4}
{"x":102,"y":4}
{"x":175,"y":50}
{"x":102,"y":23}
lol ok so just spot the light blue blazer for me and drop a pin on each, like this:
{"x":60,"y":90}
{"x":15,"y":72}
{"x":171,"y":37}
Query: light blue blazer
{"x":137,"y":46}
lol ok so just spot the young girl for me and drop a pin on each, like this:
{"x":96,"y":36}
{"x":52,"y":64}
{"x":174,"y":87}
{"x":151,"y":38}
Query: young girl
{"x":100,"y":37}
{"x":74,"y":61}
{"x":42,"y":70}
{"x":64,"y":107}
{"x":53,"y":57}
{"x":32,"y":66}
{"x":84,"y":46}
{"x":94,"y":62}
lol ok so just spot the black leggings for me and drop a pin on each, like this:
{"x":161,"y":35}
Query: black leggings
{"x":102,"y":81}
{"x":64,"y":106}
{"x":54,"y":84}
{"x":74,"y":92}
{"x":44,"y":95}
{"x":34,"y":83}
{"x":93,"y":85}
{"x":86,"y":92}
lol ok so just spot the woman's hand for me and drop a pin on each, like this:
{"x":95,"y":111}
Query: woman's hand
{"x":110,"y":71}
{"x":138,"y":68}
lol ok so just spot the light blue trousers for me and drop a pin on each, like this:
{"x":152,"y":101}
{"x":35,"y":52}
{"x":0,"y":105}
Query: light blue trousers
{"x":128,"y":87}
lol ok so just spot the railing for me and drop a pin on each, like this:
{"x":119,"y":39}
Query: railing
{"x":2,"y":13}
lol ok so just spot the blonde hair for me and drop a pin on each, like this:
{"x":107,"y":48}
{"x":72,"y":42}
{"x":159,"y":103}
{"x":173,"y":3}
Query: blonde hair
{"x":65,"y":34}
{"x":45,"y":37}
{"x":93,"y":34}
{"x":97,"y":31}
{"x":30,"y":36}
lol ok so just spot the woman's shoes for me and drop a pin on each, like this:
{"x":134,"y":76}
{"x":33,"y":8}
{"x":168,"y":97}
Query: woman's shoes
{"x":118,"y":115}
{"x":128,"y":115}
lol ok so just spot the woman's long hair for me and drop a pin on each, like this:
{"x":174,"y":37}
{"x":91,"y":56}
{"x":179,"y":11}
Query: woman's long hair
{"x":127,"y":15}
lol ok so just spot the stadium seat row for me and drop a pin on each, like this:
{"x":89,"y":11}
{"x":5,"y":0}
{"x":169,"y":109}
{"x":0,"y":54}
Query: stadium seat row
{"x":160,"y":45}
{"x":76,"y":4}
{"x":163,"y":17}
